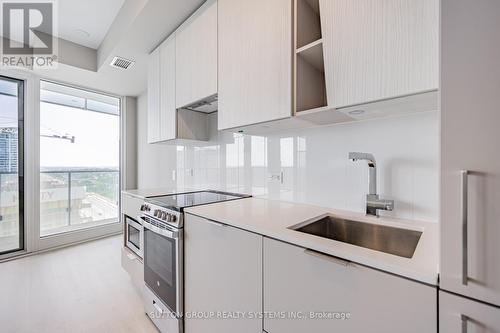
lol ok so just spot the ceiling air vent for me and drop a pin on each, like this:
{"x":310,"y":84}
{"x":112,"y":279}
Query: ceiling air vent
{"x":122,"y":63}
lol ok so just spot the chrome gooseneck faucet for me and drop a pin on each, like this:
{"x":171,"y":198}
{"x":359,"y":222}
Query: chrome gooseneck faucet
{"x":373,"y":202}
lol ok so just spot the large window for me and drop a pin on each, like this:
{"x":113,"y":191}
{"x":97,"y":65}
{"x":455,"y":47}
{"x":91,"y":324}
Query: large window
{"x":11,"y":165}
{"x":79,"y":159}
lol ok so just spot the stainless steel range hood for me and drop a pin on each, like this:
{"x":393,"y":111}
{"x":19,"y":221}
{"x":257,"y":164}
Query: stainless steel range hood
{"x":206,"y":105}
{"x":197,"y":121}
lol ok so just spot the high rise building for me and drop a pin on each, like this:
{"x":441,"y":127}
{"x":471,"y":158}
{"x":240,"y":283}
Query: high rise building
{"x":8,"y":149}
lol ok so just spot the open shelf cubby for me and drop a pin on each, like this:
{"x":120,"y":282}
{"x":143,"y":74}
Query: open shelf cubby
{"x":310,"y":77}
{"x":310,"y":85}
{"x":308,"y":22}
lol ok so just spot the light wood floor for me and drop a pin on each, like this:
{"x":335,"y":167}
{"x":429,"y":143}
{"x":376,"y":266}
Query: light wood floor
{"x":76,"y":289}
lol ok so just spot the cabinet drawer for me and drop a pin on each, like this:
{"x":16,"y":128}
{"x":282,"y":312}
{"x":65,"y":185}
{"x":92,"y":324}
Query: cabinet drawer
{"x":460,"y":314}
{"x":313,"y":292}
{"x":133,"y":265}
{"x":131,"y":206}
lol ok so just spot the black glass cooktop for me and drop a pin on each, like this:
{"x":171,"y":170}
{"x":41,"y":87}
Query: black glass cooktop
{"x":182,"y":200}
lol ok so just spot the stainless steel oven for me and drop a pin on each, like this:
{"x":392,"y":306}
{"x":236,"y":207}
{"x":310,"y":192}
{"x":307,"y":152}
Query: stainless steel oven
{"x":163,"y":221}
{"x":163,"y":274}
{"x":134,"y":235}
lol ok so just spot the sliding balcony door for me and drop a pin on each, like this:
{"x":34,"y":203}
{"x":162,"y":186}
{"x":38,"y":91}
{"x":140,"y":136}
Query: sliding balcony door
{"x":11,"y":165}
{"x":79,"y":162}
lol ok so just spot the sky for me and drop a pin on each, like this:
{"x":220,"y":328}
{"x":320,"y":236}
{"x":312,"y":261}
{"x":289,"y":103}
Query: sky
{"x":8,"y":111}
{"x":96,"y":134}
{"x":97,"y":137}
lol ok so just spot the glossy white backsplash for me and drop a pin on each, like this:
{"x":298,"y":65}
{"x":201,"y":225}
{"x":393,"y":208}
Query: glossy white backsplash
{"x":309,"y":165}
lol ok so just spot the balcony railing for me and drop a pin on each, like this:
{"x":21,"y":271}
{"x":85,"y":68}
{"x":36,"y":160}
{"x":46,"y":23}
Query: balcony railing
{"x":74,"y":199}
{"x":69,"y":199}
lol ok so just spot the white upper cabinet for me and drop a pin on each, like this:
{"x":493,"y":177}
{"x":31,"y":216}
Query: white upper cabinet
{"x":379,"y":49}
{"x":255,"y":61}
{"x":154,"y":97}
{"x":470,"y":209}
{"x":162,"y":115}
{"x":168,"y":111}
{"x":296,"y":61}
{"x":196,"y":56}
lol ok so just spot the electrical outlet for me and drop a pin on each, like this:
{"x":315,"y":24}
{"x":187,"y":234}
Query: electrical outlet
{"x":276,"y":177}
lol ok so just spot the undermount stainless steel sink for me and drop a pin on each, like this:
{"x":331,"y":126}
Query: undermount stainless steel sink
{"x":397,"y":241}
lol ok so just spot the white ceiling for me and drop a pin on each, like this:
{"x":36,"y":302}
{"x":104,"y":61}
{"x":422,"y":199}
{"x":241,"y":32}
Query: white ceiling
{"x":75,"y":17}
{"x":134,"y":29}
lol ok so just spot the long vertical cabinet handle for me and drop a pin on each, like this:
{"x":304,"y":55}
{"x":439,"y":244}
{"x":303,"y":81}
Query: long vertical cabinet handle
{"x":464,"y":320}
{"x":465,"y":231}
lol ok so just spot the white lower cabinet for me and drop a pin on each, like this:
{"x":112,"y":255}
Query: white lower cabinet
{"x":133,"y":265}
{"x":223,"y":278}
{"x":131,"y":206}
{"x":302,"y":288}
{"x":460,"y":314}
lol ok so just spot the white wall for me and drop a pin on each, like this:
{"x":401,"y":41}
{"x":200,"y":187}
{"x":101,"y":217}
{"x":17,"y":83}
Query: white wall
{"x":129,"y":143}
{"x":313,"y":161}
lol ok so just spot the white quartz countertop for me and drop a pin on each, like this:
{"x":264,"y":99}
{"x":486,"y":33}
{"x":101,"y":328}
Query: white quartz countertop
{"x":274,"y":218}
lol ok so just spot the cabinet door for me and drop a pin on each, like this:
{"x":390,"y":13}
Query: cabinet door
{"x":223,"y":274}
{"x":378,"y":49}
{"x":459,"y":314}
{"x":307,"y":288}
{"x":470,"y":80}
{"x":197,"y":56}
{"x":154,"y":97}
{"x":168,"y":112}
{"x":255,"y":61}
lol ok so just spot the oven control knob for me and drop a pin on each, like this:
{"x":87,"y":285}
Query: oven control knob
{"x":164,"y":216}
{"x":143,"y":208}
{"x":174,"y":218}
{"x":156,"y":212}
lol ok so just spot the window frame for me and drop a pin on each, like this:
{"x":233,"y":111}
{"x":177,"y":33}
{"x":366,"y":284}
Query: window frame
{"x":63,"y":238}
{"x":20,"y":162}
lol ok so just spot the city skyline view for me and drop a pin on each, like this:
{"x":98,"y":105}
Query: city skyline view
{"x":79,"y":160}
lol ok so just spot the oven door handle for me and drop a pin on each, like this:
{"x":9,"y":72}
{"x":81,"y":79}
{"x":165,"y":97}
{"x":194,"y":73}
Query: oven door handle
{"x":164,"y":232}
{"x":134,"y":222}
